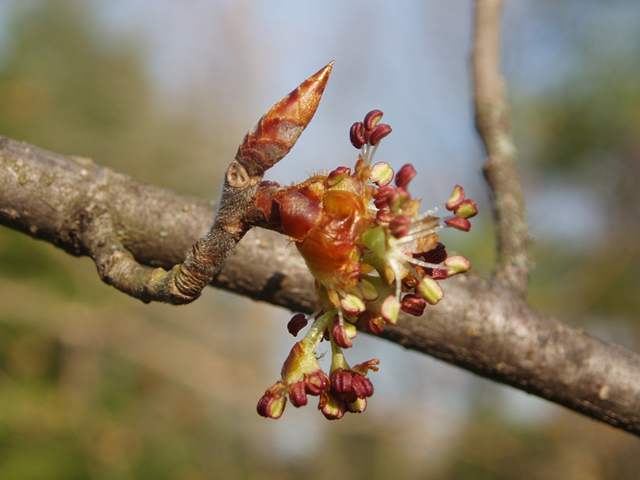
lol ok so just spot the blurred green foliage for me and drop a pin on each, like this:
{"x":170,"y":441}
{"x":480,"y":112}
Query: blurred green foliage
{"x":95,"y":386}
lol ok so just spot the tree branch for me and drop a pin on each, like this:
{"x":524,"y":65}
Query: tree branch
{"x":480,"y":325}
{"x":500,"y":169}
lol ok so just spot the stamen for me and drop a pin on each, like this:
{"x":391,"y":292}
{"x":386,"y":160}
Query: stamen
{"x":419,"y":234}
{"x":417,"y":261}
{"x":396,"y":272}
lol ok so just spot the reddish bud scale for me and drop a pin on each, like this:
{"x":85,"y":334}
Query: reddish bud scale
{"x":330,"y":249}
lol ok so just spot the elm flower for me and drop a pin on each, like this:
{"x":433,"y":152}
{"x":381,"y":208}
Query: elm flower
{"x":372,"y":254}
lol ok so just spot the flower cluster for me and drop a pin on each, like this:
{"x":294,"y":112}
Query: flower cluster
{"x":372,"y":254}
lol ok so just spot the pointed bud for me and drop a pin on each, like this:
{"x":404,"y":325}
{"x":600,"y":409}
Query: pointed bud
{"x":279,"y":129}
{"x":457,"y":197}
{"x":381,"y":174}
{"x":430,"y":290}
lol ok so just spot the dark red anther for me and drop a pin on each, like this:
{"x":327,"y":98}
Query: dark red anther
{"x":400,"y":226}
{"x":386,"y":196}
{"x":297,"y":323}
{"x":439,"y":274}
{"x":316,"y":383}
{"x":356,"y":135}
{"x":413,"y":304}
{"x":341,"y":381}
{"x":383,"y":216}
{"x":361,"y":386}
{"x":378,"y":133}
{"x":405,"y":175}
{"x":340,"y":337}
{"x":435,"y":255}
{"x":298,"y":395}
{"x":371,"y":119}
{"x":459,"y":223}
{"x":337,"y":175}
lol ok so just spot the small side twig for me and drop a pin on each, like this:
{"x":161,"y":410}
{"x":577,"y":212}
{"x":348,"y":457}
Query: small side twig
{"x":264,"y":145}
{"x":500,"y":169}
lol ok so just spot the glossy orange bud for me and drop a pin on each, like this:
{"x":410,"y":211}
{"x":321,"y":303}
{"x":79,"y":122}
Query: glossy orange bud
{"x":298,"y":214}
{"x":278,"y":130}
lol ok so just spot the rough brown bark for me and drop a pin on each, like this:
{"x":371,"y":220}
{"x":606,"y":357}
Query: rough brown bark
{"x":500,"y":169}
{"x":480,"y":325}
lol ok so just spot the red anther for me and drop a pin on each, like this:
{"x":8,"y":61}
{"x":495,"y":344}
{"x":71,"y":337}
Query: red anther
{"x":466,"y":209}
{"x":386,"y":196}
{"x":400,"y":226}
{"x":374,"y":327}
{"x":439,"y":274}
{"x":405,"y":175}
{"x":413,"y":304}
{"x":298,"y":395}
{"x":435,"y":255}
{"x":457,"y":197}
{"x":297,"y":323}
{"x":340,"y":337}
{"x":371,"y":119}
{"x":379,"y":132}
{"x":338,"y":175}
{"x":383,"y":216}
{"x":356,"y":135}
{"x":316,"y":383}
{"x":459,"y":223}
{"x":361,"y":386}
{"x":341,"y":381}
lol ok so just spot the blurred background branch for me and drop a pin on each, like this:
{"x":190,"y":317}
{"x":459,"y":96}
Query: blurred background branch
{"x":500,"y":169}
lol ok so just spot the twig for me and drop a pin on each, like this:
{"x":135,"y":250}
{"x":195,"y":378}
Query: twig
{"x":500,"y":169}
{"x":480,"y":325}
